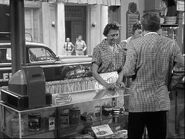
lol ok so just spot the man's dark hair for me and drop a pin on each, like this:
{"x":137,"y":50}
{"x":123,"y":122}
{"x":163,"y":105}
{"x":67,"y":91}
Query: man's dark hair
{"x":169,"y":3}
{"x":110,"y":26}
{"x":151,"y":22}
{"x":135,"y":27}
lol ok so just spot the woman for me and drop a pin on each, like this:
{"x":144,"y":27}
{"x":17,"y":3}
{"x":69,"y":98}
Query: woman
{"x":136,"y":33}
{"x":108,"y":56}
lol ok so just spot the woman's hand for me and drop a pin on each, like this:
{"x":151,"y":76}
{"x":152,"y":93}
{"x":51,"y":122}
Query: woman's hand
{"x":111,"y":86}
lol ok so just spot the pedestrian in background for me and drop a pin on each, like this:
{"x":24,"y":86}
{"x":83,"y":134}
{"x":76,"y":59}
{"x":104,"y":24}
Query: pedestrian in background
{"x":148,"y":59}
{"x":80,"y":46}
{"x":108,"y":55}
{"x":68,"y":46}
{"x":136,"y":33}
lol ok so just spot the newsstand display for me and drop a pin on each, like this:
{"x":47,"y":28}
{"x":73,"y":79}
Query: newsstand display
{"x":79,"y":106}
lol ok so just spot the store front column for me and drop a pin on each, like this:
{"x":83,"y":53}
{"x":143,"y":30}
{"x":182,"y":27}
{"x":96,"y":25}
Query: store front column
{"x":60,"y":28}
{"x":45,"y":20}
{"x":97,"y":19}
{"x":104,"y":19}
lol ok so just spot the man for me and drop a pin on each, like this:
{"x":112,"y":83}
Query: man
{"x":68,"y":46}
{"x":148,"y":60}
{"x":80,"y":46}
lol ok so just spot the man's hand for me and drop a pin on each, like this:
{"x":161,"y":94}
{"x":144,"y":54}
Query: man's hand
{"x":120,"y":84}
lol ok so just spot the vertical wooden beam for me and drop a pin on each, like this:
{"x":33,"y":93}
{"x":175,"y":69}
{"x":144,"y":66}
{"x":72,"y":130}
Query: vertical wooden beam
{"x":17,"y":28}
{"x":60,"y":28}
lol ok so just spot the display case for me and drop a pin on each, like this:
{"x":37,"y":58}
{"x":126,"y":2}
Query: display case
{"x":78,"y":104}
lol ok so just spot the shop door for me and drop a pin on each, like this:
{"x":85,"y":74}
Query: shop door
{"x":77,"y":29}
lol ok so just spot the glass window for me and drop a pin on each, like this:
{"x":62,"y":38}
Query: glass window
{"x":8,"y":54}
{"x":40,"y":55}
{"x":5,"y":55}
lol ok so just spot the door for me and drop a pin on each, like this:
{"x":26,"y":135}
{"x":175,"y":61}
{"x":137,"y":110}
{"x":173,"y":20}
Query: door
{"x":77,"y":29}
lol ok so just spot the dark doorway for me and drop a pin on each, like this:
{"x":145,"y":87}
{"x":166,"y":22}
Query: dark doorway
{"x":68,"y":29}
{"x":75,"y":22}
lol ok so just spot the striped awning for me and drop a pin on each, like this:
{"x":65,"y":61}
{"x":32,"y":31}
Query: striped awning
{"x":103,"y":2}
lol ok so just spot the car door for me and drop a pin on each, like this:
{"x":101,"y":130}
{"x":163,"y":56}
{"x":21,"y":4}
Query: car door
{"x":45,"y":58}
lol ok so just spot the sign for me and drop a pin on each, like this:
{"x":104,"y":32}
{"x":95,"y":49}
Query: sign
{"x":180,"y":5}
{"x":131,"y":20}
{"x":133,"y":16}
{"x":102,"y":130}
{"x":4,"y":77}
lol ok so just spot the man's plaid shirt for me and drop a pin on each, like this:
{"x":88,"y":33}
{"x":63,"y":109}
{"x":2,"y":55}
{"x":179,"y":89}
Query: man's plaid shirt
{"x":148,"y":57}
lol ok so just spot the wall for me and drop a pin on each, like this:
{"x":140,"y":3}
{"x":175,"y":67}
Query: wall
{"x":97,"y":15}
{"x":32,"y":20}
{"x":33,"y":26}
{"x":124,"y":8}
{"x":49,"y":30}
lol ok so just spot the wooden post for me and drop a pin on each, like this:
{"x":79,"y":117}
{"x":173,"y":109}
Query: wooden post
{"x":17,"y":27}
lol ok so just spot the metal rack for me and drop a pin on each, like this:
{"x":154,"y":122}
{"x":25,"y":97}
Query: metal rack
{"x":169,"y":30}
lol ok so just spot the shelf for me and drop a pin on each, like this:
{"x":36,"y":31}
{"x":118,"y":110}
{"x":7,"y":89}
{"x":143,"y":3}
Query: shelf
{"x":77,"y":97}
{"x":169,"y":25}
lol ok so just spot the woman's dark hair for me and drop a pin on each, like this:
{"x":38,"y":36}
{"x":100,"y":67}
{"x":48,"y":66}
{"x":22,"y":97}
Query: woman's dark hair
{"x":135,"y":27}
{"x":151,"y":22}
{"x":110,"y":26}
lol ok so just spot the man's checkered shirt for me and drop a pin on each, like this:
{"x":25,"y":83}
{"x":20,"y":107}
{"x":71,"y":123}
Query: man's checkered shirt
{"x":148,"y":57}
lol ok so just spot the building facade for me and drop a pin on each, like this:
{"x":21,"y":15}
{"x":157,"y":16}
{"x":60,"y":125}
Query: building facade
{"x":70,"y":18}
{"x":51,"y":21}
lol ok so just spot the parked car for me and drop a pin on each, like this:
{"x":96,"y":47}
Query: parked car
{"x":38,"y":54}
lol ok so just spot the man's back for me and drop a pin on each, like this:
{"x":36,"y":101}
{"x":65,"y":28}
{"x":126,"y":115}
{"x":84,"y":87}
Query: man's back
{"x":153,"y":54}
{"x":153,"y":58}
{"x":149,"y":58}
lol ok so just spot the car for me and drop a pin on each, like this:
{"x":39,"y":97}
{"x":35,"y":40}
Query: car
{"x":54,"y":67}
